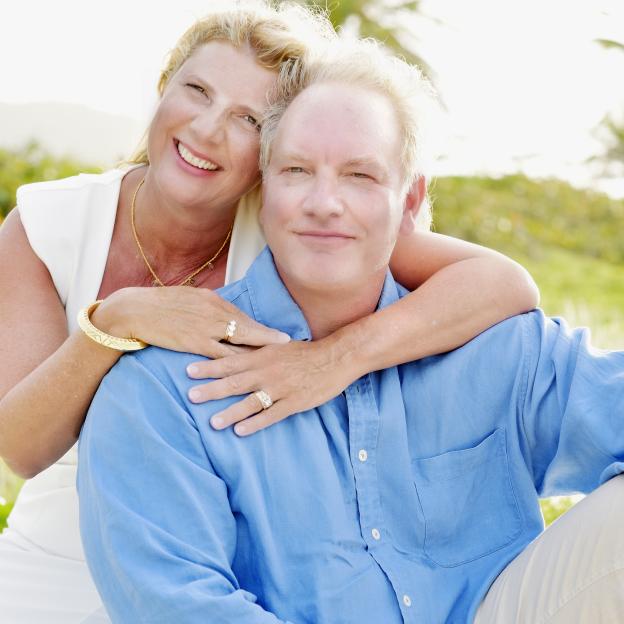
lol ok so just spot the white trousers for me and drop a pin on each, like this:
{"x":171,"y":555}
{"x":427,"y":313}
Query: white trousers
{"x":573,"y":573}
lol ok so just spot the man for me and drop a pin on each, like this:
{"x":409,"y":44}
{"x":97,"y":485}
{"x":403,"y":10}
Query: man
{"x":402,"y":499}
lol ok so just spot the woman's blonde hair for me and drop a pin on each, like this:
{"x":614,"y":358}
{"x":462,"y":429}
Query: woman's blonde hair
{"x":364,"y":63}
{"x":276,"y":32}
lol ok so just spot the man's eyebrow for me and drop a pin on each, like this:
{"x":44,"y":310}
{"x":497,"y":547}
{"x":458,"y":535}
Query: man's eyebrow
{"x":364,"y":161}
{"x":296,"y":156}
{"x":368,"y":162}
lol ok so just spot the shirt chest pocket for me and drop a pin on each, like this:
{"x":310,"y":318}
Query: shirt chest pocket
{"x":468,"y":502}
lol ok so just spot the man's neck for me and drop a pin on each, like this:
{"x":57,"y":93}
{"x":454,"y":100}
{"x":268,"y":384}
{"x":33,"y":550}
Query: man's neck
{"x":328,"y":309}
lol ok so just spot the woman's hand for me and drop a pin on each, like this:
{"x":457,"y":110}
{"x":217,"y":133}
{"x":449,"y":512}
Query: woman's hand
{"x":297,"y":376}
{"x":181,"y":318}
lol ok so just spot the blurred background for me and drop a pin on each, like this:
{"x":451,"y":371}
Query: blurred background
{"x":531,"y":140}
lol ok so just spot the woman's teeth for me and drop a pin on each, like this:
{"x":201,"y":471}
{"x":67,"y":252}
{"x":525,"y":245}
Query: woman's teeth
{"x":193,"y":160}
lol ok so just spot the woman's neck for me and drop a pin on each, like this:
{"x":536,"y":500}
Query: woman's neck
{"x":176,"y":239}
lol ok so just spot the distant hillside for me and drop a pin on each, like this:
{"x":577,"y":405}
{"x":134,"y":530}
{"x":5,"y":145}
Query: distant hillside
{"x":69,"y":130}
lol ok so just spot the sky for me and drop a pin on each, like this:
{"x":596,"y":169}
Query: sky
{"x":523,"y":83}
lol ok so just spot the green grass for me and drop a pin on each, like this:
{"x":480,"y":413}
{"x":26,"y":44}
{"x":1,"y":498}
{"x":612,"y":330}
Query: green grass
{"x":9,"y":487}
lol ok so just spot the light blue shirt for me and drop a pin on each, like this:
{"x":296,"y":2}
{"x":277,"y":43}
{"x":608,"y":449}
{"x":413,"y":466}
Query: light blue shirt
{"x":400,"y":500}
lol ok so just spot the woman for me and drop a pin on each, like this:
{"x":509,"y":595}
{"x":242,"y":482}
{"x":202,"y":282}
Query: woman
{"x":176,"y":219}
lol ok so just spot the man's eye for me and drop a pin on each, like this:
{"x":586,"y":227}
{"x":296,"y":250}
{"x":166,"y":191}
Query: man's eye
{"x":294,"y":169}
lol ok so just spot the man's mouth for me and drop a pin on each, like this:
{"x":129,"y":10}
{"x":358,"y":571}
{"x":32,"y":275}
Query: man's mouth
{"x":188,"y":157}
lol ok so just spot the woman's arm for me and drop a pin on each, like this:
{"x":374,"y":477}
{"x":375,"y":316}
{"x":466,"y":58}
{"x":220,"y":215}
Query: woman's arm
{"x":461,"y":289}
{"x":48,"y":379}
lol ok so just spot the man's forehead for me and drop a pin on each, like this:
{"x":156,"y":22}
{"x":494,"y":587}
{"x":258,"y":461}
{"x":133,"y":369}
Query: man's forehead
{"x":355,"y":121}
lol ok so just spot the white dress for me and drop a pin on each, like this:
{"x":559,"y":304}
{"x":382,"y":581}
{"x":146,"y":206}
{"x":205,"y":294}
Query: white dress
{"x":69,"y":223}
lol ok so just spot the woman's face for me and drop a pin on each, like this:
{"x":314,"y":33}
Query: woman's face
{"x":203,"y":142}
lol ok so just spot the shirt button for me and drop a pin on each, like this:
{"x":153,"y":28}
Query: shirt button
{"x":363,"y":455}
{"x":376,"y":534}
{"x":407,"y":601}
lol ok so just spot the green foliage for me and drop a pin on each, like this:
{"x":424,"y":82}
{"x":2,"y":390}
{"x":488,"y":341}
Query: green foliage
{"x":554,"y":507}
{"x":383,"y":20}
{"x":5,"y":510}
{"x":613,"y":130}
{"x":531,"y":218}
{"x":9,"y":487}
{"x":31,"y":164}
{"x":569,"y":240}
{"x":613,"y":153}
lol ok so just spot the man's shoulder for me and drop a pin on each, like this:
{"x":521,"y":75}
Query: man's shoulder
{"x":170,"y":366}
{"x":507,"y":344}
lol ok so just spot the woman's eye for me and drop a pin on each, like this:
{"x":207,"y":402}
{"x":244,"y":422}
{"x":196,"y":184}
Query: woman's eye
{"x":252,"y":120}
{"x":359,"y":174}
{"x":196,"y":87}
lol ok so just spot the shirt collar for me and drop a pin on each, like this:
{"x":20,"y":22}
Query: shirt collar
{"x":274,"y":307}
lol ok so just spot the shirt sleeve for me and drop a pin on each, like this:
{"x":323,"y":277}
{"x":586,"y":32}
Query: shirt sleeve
{"x":573,"y":408}
{"x":155,"y":519}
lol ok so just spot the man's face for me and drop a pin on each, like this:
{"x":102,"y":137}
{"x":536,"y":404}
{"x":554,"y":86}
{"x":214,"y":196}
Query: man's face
{"x":333,"y":190}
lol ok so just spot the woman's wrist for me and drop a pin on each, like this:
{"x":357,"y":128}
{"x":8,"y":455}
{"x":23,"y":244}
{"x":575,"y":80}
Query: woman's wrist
{"x":114,"y":315}
{"x":348,"y":351}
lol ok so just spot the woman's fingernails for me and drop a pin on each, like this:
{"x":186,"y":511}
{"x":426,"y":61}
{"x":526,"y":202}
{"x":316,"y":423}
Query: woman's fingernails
{"x":240,"y":429}
{"x":282,"y":337}
{"x":194,"y":395}
{"x":216,"y":422}
{"x":192,"y":370}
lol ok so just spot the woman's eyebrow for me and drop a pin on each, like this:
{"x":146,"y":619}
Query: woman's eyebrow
{"x":245,"y":108}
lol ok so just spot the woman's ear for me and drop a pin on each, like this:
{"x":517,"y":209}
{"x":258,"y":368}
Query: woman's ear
{"x":414,"y":199}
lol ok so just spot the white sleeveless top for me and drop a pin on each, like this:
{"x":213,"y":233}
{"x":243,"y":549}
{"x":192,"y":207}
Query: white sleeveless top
{"x":69,"y":224}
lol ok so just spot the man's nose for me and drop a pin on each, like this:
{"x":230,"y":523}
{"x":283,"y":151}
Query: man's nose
{"x":324,"y":201}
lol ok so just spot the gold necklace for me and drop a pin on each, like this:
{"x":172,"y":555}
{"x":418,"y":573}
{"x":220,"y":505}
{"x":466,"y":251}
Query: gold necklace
{"x":189,"y":279}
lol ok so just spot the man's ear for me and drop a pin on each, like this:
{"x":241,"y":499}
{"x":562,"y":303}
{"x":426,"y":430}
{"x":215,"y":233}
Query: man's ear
{"x":414,"y":199}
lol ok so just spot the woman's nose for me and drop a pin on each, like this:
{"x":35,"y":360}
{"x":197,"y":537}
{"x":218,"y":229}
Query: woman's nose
{"x":209,"y":126}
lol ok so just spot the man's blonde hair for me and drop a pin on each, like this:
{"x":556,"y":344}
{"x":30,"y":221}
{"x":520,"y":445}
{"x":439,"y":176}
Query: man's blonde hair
{"x":277,"y":32}
{"x":363,"y":63}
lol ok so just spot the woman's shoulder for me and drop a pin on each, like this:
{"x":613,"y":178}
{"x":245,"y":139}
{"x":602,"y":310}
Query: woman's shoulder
{"x":83,"y":183}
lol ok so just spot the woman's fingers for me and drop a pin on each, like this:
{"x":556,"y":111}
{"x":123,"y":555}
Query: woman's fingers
{"x":252,"y":333}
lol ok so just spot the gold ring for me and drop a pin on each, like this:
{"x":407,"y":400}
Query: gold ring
{"x":264,"y":399}
{"x":230,"y":330}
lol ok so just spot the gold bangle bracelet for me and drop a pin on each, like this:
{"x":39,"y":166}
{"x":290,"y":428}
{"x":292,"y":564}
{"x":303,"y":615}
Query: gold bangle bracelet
{"x":106,"y":340}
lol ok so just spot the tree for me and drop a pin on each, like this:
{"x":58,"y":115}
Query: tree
{"x":611,"y":128}
{"x":383,"y":20}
